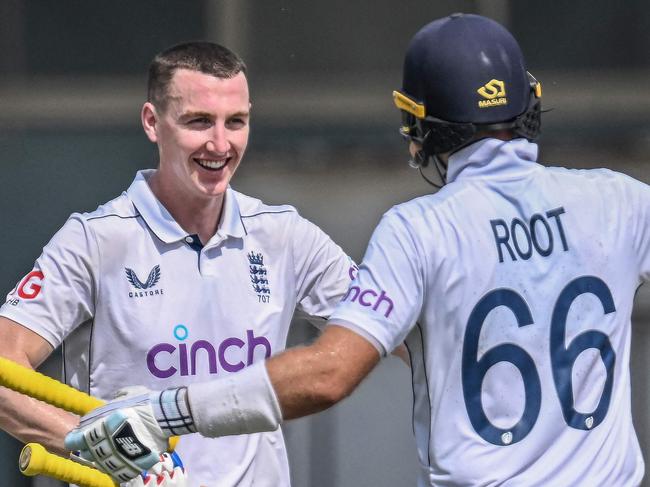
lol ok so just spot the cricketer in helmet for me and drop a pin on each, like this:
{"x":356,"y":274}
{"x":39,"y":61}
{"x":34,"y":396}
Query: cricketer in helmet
{"x":464,"y":78}
{"x":497,"y":284}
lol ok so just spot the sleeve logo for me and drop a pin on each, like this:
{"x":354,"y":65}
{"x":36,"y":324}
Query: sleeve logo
{"x":29,"y":287}
{"x":369,"y":298}
{"x":353,"y":271}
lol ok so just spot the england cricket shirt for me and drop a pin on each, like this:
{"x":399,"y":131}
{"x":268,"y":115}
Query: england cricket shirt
{"x":135,"y":300}
{"x":513,"y":287}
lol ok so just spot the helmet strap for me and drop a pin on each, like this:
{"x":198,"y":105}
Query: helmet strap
{"x":421,"y":159}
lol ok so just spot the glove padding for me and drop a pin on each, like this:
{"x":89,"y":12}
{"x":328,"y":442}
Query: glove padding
{"x":122,"y":438}
{"x":169,"y":472}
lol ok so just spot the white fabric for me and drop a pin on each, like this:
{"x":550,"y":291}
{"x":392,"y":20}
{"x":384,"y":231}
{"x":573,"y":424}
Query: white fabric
{"x":237,"y":404}
{"x":198,"y":314}
{"x":432,"y":259}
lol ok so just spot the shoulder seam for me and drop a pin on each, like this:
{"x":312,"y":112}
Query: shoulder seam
{"x":269,"y":212}
{"x":99,"y":217}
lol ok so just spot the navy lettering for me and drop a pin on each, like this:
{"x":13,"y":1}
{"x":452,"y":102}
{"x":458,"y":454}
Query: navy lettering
{"x":524,"y":238}
{"x":533,"y":233}
{"x":556,"y":214}
{"x":516,"y":222}
{"x":502,"y":239}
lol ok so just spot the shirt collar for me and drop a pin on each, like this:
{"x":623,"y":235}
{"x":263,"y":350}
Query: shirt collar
{"x":231,"y":224}
{"x":162,"y":223}
{"x":493,"y":157}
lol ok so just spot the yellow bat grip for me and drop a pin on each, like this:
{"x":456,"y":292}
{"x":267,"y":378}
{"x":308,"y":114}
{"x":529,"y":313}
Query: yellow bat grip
{"x":27,"y":381}
{"x":36,"y":460}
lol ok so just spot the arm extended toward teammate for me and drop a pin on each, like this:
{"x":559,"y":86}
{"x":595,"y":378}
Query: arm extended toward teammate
{"x":310,"y":379}
{"x":295,"y":383}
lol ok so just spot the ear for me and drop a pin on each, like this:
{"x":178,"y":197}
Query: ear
{"x":149,"y":118}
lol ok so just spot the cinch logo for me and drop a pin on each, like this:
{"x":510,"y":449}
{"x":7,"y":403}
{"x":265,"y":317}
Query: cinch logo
{"x":231,"y":355}
{"x":494,"y":93}
{"x":353,"y":271}
{"x":28,"y":287}
{"x":152,"y":280}
{"x":370,"y":298}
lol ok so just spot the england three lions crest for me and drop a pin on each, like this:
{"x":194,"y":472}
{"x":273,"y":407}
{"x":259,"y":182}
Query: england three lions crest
{"x":259,"y":276}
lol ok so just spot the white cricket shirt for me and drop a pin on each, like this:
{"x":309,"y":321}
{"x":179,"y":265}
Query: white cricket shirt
{"x":513,"y":288}
{"x":136,"y":300}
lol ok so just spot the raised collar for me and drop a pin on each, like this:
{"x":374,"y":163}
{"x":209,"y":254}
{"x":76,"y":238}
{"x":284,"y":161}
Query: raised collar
{"x":493,"y":158}
{"x":162,"y":223}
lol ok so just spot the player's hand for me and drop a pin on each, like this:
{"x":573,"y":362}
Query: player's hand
{"x":121,"y":438}
{"x":169,"y":472}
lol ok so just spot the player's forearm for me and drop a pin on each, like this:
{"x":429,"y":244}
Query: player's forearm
{"x":310,"y":379}
{"x":309,"y":386}
{"x":22,"y":416}
{"x":30,"y":420}
{"x":293,"y":384}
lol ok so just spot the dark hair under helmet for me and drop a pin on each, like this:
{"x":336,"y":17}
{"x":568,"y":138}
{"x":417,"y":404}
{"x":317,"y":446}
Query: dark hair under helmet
{"x":462,"y":74}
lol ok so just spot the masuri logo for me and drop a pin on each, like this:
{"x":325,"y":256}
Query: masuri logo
{"x":494,"y":93}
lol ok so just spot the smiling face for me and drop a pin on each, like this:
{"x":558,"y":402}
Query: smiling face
{"x":201,"y":133}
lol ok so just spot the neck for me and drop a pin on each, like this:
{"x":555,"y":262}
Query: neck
{"x":198,"y":216}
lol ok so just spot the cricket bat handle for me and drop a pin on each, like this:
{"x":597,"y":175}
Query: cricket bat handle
{"x":36,"y":460}
{"x":31,"y":383}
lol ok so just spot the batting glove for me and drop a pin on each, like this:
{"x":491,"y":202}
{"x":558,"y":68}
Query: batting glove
{"x":169,"y":472}
{"x":127,"y":436}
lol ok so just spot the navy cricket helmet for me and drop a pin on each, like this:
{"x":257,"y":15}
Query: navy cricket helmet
{"x":465,"y":74}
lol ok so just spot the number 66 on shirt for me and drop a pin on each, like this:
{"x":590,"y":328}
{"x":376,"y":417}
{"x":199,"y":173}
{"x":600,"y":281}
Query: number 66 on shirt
{"x":562,"y":360}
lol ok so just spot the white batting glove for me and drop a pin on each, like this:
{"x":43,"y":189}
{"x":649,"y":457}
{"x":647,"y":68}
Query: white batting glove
{"x":127,"y":436}
{"x":169,"y":472}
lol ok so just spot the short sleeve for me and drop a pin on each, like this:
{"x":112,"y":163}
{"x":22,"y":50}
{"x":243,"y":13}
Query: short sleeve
{"x":385,"y":299}
{"x":640,"y":211}
{"x":57,"y":295}
{"x":323,"y":270}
